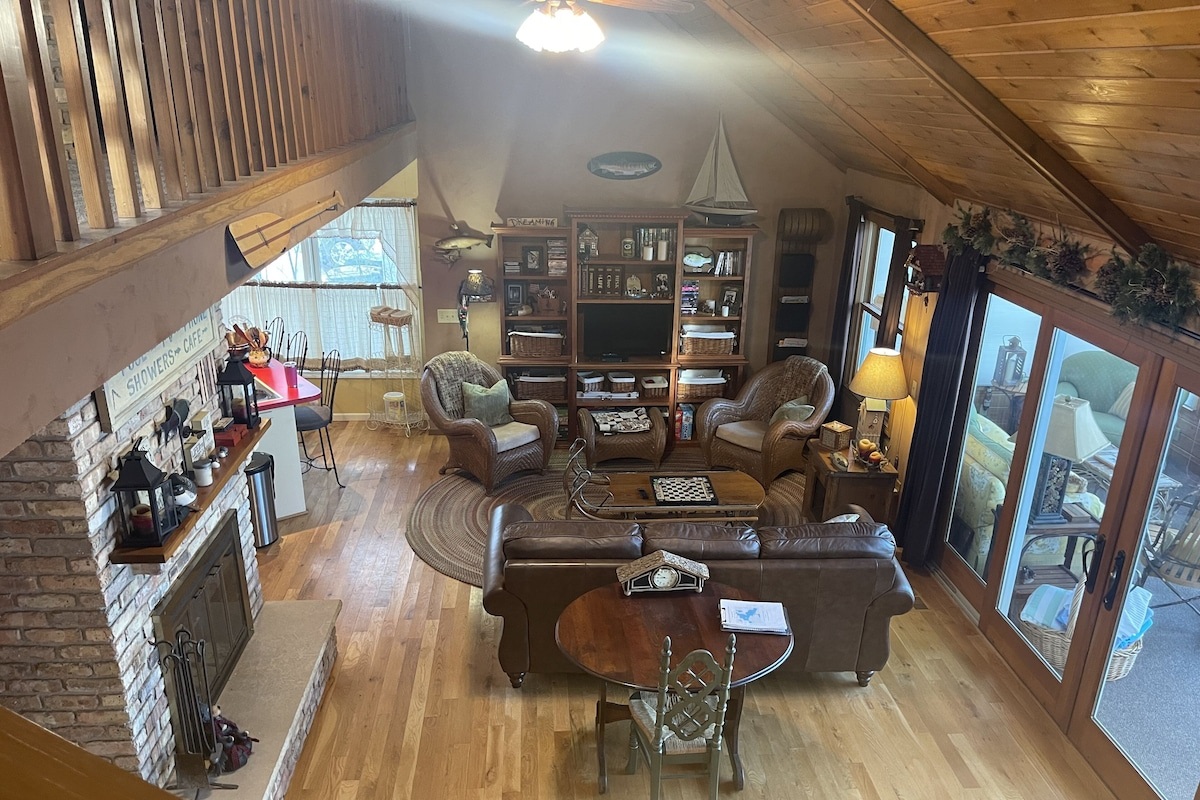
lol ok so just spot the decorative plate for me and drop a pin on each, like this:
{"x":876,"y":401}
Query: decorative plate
{"x":624,"y":166}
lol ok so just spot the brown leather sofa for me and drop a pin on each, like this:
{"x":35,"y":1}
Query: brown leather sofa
{"x":840,"y":582}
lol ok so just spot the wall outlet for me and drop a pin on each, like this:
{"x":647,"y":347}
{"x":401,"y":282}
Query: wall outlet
{"x":448,"y":315}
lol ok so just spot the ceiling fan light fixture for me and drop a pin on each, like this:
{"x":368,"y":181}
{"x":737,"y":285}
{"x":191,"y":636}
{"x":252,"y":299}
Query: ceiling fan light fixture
{"x":559,"y":27}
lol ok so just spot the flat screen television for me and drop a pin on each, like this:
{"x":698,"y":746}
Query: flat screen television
{"x":628,"y":330}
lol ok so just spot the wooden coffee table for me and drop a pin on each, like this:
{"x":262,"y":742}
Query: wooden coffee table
{"x":630,"y":495}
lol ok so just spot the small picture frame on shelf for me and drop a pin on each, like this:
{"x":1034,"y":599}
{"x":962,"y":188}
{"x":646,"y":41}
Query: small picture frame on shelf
{"x":731,"y":298}
{"x":514,"y":297}
{"x":662,"y":285}
{"x":533,"y":260}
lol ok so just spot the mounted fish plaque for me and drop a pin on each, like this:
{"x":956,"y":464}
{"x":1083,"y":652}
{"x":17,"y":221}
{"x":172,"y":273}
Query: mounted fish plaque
{"x":624,"y":166}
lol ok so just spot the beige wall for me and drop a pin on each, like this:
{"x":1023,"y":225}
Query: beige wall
{"x":508,"y":132}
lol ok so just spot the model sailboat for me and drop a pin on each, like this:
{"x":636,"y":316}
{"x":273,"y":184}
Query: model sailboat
{"x":718,"y":192}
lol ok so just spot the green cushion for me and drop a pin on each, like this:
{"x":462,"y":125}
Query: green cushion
{"x":796,"y":410}
{"x":489,"y":406}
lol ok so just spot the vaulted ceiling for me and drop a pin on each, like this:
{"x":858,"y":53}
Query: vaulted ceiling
{"x":1084,"y":113}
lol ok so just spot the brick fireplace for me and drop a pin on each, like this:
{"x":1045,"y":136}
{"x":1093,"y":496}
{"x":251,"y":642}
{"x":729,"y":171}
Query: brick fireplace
{"x":75,"y":628}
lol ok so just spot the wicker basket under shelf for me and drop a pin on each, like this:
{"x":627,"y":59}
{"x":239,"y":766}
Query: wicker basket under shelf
{"x":534,"y":346}
{"x":551,"y":391}
{"x":704,"y":346}
{"x":693,"y":392}
{"x":651,"y":389}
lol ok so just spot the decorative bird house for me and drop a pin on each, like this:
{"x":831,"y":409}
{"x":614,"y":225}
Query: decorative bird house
{"x":927,"y":265}
{"x":238,"y":397}
{"x":589,"y":243}
{"x":146,"y":505}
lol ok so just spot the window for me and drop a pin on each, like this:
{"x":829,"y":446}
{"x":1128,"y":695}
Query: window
{"x":879,"y":299}
{"x":327,"y":285}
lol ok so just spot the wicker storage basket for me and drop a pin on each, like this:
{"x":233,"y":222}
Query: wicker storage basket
{"x":523,"y":345}
{"x":654,"y":386}
{"x":691,"y":392}
{"x":621,"y":381}
{"x":1053,"y":644}
{"x":553,"y":390}
{"x":706,"y":346}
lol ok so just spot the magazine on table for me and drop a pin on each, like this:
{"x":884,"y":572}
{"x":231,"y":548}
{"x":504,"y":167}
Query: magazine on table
{"x":751,"y":616}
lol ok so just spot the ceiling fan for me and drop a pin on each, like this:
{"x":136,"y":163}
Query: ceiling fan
{"x":562,"y":25}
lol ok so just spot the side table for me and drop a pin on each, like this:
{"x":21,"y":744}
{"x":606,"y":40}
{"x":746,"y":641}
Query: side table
{"x":827,"y":489}
{"x":648,"y":445}
{"x":1062,"y":575}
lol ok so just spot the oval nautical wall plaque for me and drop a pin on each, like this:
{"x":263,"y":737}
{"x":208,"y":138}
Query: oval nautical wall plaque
{"x":624,"y":166}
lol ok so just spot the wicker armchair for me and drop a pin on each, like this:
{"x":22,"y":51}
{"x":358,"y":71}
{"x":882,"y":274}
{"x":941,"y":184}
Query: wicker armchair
{"x":780,"y":447}
{"x":490,"y":454}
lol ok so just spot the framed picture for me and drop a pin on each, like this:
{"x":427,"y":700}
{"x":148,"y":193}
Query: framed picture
{"x":731,"y":296}
{"x":533,"y":260}
{"x":662,"y":284}
{"x":514,"y":296}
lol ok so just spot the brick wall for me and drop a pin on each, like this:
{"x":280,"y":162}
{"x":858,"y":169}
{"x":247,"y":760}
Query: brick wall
{"x":75,"y":629}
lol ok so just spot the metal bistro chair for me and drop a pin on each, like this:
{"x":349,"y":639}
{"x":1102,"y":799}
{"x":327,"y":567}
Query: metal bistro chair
{"x":297,"y":349}
{"x":317,"y":416}
{"x":1172,"y":553}
{"x":683,"y":722}
{"x":275,"y":336}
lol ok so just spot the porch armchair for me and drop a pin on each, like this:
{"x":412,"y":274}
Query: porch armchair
{"x":739,"y":433}
{"x":491,"y":454}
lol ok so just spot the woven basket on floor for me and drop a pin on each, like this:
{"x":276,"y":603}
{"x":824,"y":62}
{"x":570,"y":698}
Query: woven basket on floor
{"x":1054,"y":644}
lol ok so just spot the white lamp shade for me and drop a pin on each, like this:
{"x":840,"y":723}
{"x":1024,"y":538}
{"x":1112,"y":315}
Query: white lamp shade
{"x":1073,"y":433}
{"x":558,"y":27}
{"x":881,"y":376}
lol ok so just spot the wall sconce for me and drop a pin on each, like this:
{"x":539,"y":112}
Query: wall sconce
{"x":926,"y":264}
{"x":475,"y":287}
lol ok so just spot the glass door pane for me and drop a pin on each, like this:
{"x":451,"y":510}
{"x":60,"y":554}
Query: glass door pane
{"x":1072,"y":455}
{"x":1150,"y":700}
{"x":999,"y":394}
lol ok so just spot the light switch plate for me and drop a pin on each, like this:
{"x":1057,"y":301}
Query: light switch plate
{"x":448,"y":315}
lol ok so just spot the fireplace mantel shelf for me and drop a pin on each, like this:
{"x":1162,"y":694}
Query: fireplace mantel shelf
{"x":204,"y":496}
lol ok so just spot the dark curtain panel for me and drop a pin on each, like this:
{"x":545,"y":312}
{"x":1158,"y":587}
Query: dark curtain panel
{"x":941,"y":381}
{"x":840,"y":329}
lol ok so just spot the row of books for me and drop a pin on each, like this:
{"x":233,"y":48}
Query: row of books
{"x":729,"y":262}
{"x":602,"y":279}
{"x":512,"y":266}
{"x":556,"y":258}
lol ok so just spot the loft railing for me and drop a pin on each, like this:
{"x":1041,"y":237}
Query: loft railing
{"x":112,"y":111}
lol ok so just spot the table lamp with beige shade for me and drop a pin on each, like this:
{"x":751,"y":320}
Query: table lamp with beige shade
{"x":1071,"y":436}
{"x":880,"y":378}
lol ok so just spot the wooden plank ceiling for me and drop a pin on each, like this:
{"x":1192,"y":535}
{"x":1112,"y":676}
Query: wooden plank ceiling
{"x":1108,"y":92}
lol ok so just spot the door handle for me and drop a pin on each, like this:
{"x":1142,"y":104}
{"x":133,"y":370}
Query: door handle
{"x":1091,"y":563}
{"x":1114,"y":578}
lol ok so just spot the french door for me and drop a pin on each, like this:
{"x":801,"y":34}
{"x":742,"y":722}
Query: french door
{"x":1071,"y":532}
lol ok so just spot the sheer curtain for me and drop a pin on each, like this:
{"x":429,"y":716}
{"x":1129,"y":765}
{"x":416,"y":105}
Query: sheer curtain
{"x":312,"y":290}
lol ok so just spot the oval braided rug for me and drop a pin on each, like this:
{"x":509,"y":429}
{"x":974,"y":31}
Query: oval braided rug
{"x":447,"y":528}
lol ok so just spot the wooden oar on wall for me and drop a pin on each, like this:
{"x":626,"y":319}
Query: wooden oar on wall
{"x":264,"y":236}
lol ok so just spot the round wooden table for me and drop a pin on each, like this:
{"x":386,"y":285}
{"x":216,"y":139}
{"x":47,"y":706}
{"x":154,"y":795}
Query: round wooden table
{"x":619,"y":640}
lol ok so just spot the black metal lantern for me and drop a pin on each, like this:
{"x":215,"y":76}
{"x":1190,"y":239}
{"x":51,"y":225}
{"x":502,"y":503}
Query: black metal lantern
{"x":238,"y":398}
{"x":1010,"y":363}
{"x":146,"y":505}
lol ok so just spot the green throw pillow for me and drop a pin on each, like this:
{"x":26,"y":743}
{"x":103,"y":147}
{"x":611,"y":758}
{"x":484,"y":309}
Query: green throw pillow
{"x":489,"y":406}
{"x":796,"y":410}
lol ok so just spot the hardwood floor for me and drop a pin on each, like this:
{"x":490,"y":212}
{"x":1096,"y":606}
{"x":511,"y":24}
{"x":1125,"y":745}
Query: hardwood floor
{"x":418,"y":706}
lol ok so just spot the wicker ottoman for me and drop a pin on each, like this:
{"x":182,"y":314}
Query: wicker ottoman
{"x":648,"y":445}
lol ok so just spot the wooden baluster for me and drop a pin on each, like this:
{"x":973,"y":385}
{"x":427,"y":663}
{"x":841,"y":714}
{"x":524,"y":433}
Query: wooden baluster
{"x":162,"y":100}
{"x":61,"y":198}
{"x":25,"y":230}
{"x":267,"y":112}
{"x":277,"y":70}
{"x":215,"y":79}
{"x":137,"y":98}
{"x":102,"y":42}
{"x":77,"y":79}
{"x":176,"y":69}
{"x":316,"y":78}
{"x":212,"y":165}
{"x":295,"y":75}
{"x":256,"y":132}
{"x":219,"y":37}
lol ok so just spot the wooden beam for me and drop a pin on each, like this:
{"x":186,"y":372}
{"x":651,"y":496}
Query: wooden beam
{"x":137,"y":97}
{"x":213,"y":163}
{"x":162,"y":100}
{"x":222,"y":29}
{"x":931,"y":183}
{"x":35,"y":44}
{"x":227,"y":138}
{"x":941,"y":68}
{"x":176,"y":68}
{"x":114,"y":117}
{"x":256,"y":132}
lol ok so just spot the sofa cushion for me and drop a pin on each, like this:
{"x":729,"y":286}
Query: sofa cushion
{"x":578,"y":541}
{"x":699,"y":541}
{"x":828,"y":540}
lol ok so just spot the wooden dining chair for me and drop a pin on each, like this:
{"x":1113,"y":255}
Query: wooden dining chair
{"x":683,"y":723}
